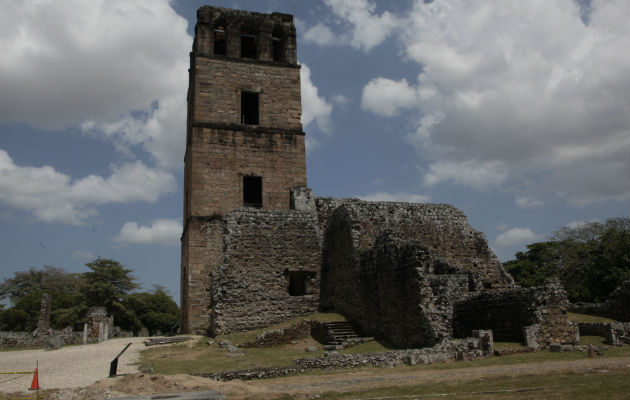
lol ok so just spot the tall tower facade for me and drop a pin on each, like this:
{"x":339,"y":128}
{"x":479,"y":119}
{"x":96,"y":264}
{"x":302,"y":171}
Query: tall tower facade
{"x":245,"y":144}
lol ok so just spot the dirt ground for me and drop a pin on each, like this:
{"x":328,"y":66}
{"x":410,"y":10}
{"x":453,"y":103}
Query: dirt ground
{"x":309,"y":387}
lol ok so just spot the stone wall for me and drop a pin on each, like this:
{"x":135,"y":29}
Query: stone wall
{"x":220,"y":158}
{"x":617,"y":306}
{"x":28,"y":339}
{"x":615,"y":333}
{"x":396,"y":269}
{"x":480,"y":345}
{"x":535,"y":316}
{"x":270,"y":270}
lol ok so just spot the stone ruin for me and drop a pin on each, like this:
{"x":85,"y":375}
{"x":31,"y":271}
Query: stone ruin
{"x":99,"y":328}
{"x":259,"y":248}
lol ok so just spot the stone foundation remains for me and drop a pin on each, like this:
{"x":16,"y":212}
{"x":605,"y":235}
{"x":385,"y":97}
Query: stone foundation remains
{"x":534,"y":316}
{"x":617,"y":306}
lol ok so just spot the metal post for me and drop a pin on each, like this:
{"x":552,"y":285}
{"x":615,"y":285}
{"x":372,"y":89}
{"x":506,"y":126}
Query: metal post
{"x":114,"y":364}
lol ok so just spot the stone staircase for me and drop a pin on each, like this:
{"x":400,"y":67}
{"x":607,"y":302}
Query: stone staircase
{"x":341,"y":335}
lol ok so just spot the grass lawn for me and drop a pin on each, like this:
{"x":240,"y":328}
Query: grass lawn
{"x":203,"y":357}
{"x":599,"y":384}
{"x":587,"y":318}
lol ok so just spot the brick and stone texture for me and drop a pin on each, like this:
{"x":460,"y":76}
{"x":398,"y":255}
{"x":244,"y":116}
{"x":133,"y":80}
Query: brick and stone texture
{"x":246,"y":261}
{"x":535,"y":316}
{"x":265,"y":254}
{"x":219,"y":159}
{"x":396,"y":269}
{"x":222,"y":148}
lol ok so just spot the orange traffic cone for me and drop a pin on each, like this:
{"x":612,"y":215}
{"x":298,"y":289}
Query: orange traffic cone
{"x":35,"y":384}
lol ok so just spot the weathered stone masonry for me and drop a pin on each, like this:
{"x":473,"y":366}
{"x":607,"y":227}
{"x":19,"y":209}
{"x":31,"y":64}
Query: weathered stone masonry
{"x":245,"y":145}
{"x":258,"y":248}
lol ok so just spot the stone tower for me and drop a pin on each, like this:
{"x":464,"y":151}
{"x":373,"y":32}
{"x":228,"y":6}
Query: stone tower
{"x":244,"y":144}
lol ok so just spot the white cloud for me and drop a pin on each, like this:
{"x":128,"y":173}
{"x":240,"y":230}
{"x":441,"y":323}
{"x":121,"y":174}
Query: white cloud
{"x":51,"y":196}
{"x":396,"y":197}
{"x":314,"y":107}
{"x":83,"y":255}
{"x":525,"y":201}
{"x":161,"y":231}
{"x":386,"y":97}
{"x":320,"y":34}
{"x":368,"y":29}
{"x":311,"y":144}
{"x":478,"y":175}
{"x":517,"y":236}
{"x":527,"y":93}
{"x":101,"y":63}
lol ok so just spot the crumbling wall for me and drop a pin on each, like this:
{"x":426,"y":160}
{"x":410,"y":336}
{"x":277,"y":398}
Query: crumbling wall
{"x":396,"y":269}
{"x":617,"y":306}
{"x":266,"y":256}
{"x":535,"y":316}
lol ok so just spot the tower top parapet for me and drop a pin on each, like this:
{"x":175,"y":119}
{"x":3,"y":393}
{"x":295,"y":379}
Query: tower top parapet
{"x":246,"y":35}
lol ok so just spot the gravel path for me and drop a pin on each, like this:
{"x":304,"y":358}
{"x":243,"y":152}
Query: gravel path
{"x":70,"y":366}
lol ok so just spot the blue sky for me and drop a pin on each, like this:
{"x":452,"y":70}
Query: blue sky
{"x":516,"y":112}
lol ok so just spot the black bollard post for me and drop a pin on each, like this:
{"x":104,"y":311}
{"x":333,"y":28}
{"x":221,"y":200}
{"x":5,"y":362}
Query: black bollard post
{"x":114,"y":364}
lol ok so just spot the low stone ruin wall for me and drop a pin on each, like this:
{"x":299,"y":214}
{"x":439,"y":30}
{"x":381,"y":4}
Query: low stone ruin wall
{"x":617,"y":306}
{"x":534,"y":316}
{"x":27,"y":339}
{"x":614,"y":333}
{"x":297,"y":330}
{"x":460,"y":349}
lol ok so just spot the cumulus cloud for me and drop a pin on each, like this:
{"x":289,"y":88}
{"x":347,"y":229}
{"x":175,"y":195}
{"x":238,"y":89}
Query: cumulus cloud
{"x":116,"y":67}
{"x":475,"y":174}
{"x":386,"y":97}
{"x":320,"y":34}
{"x":517,"y":236}
{"x":53,"y":197}
{"x":83,"y":255}
{"x":530,"y":96}
{"x":161,"y":231}
{"x":314,"y":107}
{"x":368,"y":29}
{"x":396,"y":197}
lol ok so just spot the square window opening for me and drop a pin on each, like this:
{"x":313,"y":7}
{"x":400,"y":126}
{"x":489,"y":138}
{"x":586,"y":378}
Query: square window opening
{"x":299,"y":282}
{"x":249,"y":108}
{"x":252,"y":191}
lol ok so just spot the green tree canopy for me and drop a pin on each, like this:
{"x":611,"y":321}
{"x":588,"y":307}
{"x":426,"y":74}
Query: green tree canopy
{"x":591,"y":259}
{"x":108,"y":284}
{"x":24,"y":291}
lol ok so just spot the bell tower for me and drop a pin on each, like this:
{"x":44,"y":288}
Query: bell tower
{"x":244,"y":140}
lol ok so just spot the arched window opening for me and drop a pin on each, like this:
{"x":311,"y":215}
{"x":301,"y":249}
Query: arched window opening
{"x":220,"y":37}
{"x":277,"y":44}
{"x":249,"y":41}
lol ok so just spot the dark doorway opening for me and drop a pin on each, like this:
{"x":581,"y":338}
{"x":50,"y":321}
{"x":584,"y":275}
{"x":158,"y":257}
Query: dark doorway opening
{"x":249,"y":108}
{"x":252,"y":191}
{"x":299,"y":282}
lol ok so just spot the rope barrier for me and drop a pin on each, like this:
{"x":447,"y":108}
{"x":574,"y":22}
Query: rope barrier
{"x":21,"y":373}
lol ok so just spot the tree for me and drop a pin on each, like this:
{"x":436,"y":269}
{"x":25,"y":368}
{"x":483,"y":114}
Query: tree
{"x":591,"y":259}
{"x":154,"y":310}
{"x":106,"y":285}
{"x":25,"y":290}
